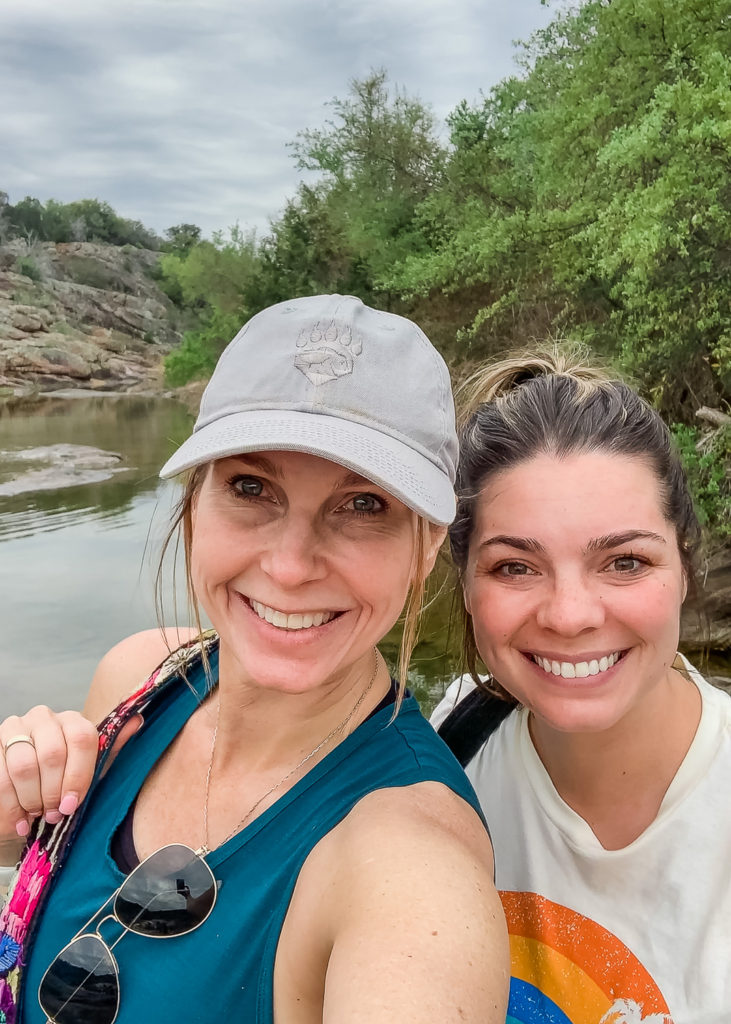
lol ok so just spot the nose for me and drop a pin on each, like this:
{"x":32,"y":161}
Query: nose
{"x":293,"y":554}
{"x":570,"y":606}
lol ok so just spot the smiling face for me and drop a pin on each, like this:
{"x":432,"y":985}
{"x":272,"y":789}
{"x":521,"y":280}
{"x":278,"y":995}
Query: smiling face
{"x":574,"y":583}
{"x":301,"y":565}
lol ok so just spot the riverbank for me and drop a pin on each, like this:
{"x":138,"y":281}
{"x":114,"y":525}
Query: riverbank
{"x":82,"y":315}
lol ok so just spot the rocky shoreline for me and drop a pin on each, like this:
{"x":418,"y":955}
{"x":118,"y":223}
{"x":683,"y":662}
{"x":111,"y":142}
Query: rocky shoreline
{"x":84,"y":315}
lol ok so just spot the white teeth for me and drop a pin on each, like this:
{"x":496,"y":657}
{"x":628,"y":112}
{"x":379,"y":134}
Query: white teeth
{"x":297,"y":621}
{"x":577,"y":669}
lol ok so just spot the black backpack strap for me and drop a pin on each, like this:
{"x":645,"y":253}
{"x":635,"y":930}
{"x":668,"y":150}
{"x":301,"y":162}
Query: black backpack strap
{"x":472,"y":720}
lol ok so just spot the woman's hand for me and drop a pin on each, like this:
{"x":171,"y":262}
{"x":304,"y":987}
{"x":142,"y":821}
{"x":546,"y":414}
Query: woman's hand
{"x":51,"y":775}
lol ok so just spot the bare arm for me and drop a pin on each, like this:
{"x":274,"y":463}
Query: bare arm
{"x":413,"y":929}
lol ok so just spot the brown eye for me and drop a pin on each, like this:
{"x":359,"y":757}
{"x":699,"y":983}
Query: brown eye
{"x":514,"y":569}
{"x":627,"y":564}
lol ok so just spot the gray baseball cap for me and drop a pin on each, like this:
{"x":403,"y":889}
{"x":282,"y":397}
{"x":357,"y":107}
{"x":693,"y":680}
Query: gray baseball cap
{"x":328,"y":375}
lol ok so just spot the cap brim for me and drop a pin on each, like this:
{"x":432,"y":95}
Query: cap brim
{"x":387,"y":461}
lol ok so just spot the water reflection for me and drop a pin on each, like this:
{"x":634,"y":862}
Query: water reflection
{"x":75,"y":572}
{"x":143,"y":430}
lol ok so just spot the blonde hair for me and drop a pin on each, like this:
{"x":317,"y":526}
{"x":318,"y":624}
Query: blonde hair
{"x":181,"y":527}
{"x":499,"y":381}
{"x":414,"y":607}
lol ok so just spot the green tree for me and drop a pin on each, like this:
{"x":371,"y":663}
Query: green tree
{"x":215,"y":281}
{"x":181,"y":238}
{"x":591,"y":196}
{"x":377,"y":157}
{"x":26,"y":219}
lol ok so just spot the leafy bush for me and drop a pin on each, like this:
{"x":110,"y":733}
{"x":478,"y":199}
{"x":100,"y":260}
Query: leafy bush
{"x":199,"y":350}
{"x":88,"y":271}
{"x":707,"y":460}
{"x":27,"y":266}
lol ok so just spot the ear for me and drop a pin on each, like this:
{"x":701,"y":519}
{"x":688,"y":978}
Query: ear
{"x":436,"y":539}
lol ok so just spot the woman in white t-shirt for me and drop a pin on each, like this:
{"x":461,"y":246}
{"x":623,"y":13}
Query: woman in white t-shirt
{"x":601,"y":758}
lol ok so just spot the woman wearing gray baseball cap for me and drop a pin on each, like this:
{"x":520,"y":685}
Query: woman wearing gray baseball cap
{"x":284,"y":816}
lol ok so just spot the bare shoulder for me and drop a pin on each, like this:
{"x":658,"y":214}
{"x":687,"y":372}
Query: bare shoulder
{"x":126,"y":665}
{"x":412,"y":899}
{"x":428,"y":817}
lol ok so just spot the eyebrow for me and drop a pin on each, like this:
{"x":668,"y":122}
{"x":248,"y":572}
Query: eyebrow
{"x":522,"y":543}
{"x":258,"y":461}
{"x":617,"y":540}
{"x":355,"y":480}
{"x":609,"y":541}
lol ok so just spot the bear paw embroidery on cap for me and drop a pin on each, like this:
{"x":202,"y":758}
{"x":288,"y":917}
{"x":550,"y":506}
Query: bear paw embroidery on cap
{"x":327,"y":355}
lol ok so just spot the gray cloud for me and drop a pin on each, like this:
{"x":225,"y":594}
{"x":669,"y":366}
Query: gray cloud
{"x":180,"y":110}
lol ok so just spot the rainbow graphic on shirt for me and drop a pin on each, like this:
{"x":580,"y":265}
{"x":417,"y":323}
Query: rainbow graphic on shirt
{"x":567,"y":969}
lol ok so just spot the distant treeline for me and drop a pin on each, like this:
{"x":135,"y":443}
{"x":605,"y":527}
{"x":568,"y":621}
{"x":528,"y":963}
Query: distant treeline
{"x":85,"y":220}
{"x":589,"y":197}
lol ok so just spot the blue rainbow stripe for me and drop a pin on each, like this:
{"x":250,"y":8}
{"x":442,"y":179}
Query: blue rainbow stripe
{"x":528,"y":1005}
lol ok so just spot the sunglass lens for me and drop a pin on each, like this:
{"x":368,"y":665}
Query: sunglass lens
{"x":170,"y":893}
{"x":81,"y":985}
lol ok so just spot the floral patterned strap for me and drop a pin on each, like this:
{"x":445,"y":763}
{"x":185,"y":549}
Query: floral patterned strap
{"x":47,"y":844}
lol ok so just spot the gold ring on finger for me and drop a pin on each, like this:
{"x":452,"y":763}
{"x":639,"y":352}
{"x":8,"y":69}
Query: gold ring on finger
{"x":20,"y":738}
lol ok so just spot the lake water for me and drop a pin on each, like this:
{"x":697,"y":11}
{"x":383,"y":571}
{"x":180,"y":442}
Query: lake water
{"x":77,"y":562}
{"x":73,"y":576}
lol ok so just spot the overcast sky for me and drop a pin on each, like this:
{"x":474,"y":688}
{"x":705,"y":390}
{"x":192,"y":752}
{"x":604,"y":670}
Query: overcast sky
{"x":180,"y":110}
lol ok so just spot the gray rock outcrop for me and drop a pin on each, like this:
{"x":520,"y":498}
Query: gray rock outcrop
{"x":81,"y":314}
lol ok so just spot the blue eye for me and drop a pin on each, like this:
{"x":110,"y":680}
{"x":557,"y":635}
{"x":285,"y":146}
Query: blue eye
{"x":366,"y":504}
{"x":246,"y":486}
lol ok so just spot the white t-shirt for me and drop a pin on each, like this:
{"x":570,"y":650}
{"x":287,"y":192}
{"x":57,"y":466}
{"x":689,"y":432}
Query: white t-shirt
{"x":597,"y":936}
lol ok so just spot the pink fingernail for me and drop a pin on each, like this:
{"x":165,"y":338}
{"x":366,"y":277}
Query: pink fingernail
{"x":69,"y":803}
{"x":53,"y":817}
{"x":22,"y":828}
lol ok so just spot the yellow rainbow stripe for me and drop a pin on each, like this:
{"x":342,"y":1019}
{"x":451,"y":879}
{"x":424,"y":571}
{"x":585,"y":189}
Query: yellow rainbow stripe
{"x":558,"y":978}
{"x":564,"y":937}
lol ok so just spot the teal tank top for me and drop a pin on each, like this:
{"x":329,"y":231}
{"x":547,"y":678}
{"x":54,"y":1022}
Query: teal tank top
{"x":223,"y":971}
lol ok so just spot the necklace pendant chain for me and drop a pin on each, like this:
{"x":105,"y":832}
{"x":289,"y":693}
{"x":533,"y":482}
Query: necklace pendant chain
{"x":205,"y":848}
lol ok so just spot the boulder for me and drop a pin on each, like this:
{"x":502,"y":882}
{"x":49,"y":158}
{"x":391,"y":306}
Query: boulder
{"x":31,"y":360}
{"x":96,"y":314}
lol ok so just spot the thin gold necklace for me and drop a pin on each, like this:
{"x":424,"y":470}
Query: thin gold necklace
{"x":205,"y":848}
